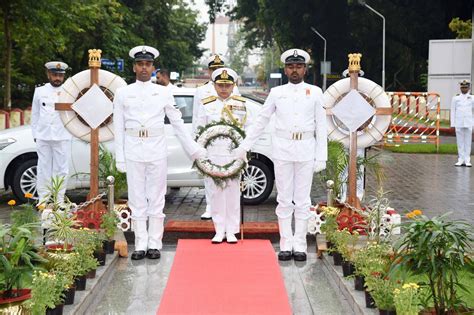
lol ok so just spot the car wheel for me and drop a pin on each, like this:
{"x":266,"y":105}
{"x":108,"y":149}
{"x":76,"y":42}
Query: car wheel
{"x":258,"y":182}
{"x":24,"y":180}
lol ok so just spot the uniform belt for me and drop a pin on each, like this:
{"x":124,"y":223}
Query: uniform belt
{"x":144,"y":132}
{"x":294,"y":135}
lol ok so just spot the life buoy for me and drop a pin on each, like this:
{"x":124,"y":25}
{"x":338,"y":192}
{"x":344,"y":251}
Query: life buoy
{"x":378,"y":124}
{"x":71,"y":90}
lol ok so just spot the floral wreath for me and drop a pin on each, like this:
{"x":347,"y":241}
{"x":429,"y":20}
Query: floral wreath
{"x":220,"y":174}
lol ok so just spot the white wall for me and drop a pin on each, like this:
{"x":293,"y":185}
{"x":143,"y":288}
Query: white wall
{"x":449,"y":62}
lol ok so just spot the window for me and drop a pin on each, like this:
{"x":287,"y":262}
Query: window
{"x":185,"y":104}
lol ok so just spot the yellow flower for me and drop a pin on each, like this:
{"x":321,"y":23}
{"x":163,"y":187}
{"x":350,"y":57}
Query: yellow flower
{"x":410,"y":215}
{"x":41,"y":206}
{"x":417,"y":212}
{"x":12,"y":203}
{"x":28,"y":195}
{"x":396,"y":291}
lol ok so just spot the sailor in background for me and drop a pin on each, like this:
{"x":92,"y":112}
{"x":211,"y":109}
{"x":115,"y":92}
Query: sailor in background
{"x":53,"y":141}
{"x":140,"y":149}
{"x":462,"y":106}
{"x":224,"y":202}
{"x":299,"y":149}
{"x":214,"y":62}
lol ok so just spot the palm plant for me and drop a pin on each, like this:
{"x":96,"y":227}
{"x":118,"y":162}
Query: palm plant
{"x":108,"y":167}
{"x":18,"y":255}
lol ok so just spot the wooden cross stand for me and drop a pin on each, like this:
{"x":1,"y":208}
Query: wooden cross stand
{"x":97,"y":207}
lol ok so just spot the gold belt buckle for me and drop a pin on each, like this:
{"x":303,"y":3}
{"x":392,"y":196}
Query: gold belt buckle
{"x":297,"y":136}
{"x":143,"y":133}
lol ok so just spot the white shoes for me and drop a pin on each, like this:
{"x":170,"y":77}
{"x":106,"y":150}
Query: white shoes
{"x":206,"y":215}
{"x":468,"y":164}
{"x":231,"y":239}
{"x":459,"y":163}
{"x":217,"y":239}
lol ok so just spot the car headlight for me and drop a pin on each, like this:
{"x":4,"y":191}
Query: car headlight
{"x":6,"y":142}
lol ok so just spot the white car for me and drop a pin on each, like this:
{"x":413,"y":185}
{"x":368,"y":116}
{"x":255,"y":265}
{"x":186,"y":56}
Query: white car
{"x":18,"y":158}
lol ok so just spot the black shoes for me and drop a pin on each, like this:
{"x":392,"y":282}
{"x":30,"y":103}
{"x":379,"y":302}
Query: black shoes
{"x":138,"y":255}
{"x":299,"y":256}
{"x":153,"y":254}
{"x":287,"y":255}
{"x":284,"y":255}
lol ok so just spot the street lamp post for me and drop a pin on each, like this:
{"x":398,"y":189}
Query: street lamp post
{"x":362,"y":2}
{"x":324,"y":57}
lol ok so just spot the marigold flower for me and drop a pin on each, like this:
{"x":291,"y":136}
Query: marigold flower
{"x":12,"y":202}
{"x":417,"y":212}
{"x":410,"y":215}
{"x":41,"y":206}
{"x":28,"y":195}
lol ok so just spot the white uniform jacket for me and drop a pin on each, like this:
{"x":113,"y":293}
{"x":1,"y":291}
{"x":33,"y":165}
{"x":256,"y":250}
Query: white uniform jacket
{"x":141,"y":108}
{"x":203,"y":92}
{"x":46,"y":123}
{"x":300,"y":123}
{"x":461,"y":110}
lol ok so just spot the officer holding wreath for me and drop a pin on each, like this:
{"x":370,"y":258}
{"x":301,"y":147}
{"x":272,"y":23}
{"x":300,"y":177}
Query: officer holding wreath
{"x":140,"y":149}
{"x":299,"y":149}
{"x":225,"y":198}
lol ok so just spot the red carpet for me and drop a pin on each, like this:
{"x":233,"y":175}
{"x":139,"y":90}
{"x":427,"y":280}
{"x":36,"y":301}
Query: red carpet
{"x":207,"y":226}
{"x":241,"y":278}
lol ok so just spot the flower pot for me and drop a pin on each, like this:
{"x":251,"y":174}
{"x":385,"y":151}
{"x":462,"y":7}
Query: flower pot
{"x":100,"y":256}
{"x":80,"y":283}
{"x":347,"y":268}
{"x":58,"y":310}
{"x":59,"y":247}
{"x":109,"y":246}
{"x":387,"y":312}
{"x":69,"y":295}
{"x":91,"y":274}
{"x":14,"y":296}
{"x":369,"y":301}
{"x":337,"y":257}
{"x":329,"y":246}
{"x":359,"y":283}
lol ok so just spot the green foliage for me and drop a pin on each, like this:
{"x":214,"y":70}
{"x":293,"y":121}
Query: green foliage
{"x":63,"y":228}
{"x":47,"y":290}
{"x":18,"y":256}
{"x":407,"y":299}
{"x":372,"y":260}
{"x":109,"y":223}
{"x":330,"y":225}
{"x":463,"y":29}
{"x":335,"y":165}
{"x":27,"y":214}
{"x":437,"y":248}
{"x":381,"y":290}
{"x":51,"y":200}
{"x":107,"y":167}
{"x":345,"y":243}
{"x":424,"y":148}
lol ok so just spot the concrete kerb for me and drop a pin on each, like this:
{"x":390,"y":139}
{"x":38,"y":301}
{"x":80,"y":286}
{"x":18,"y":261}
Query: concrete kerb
{"x":345,"y":288}
{"x":95,"y":288}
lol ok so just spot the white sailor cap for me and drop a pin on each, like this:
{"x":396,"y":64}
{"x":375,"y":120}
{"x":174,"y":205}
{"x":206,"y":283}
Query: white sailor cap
{"x":465,"y":83}
{"x":215,"y":61}
{"x":224,"y":75}
{"x":140,"y":53}
{"x":56,"y":66}
{"x":294,"y":55}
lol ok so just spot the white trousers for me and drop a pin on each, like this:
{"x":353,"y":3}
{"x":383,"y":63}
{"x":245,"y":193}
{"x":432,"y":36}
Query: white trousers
{"x":293,"y":181}
{"x":146,"y":198}
{"x":225,"y":202}
{"x":53,"y":160}
{"x":208,"y":193}
{"x":360,"y":179}
{"x":464,"y":140}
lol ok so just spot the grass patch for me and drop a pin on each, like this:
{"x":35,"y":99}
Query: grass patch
{"x":428,"y":148}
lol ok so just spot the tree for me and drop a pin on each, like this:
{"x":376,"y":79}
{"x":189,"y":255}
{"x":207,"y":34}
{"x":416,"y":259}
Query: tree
{"x":463,"y":29}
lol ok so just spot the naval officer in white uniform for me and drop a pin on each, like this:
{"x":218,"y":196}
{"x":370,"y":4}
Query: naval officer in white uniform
{"x":53,"y":141}
{"x":462,"y":120}
{"x":140,"y":148}
{"x":299,"y":149}
{"x":224,"y":201}
{"x":215,"y":62}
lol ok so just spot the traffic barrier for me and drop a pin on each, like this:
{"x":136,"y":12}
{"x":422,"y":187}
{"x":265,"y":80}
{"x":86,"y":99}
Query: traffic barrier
{"x":27,"y":116}
{"x":16,"y":117}
{"x":4,"y":120}
{"x":415,"y":119}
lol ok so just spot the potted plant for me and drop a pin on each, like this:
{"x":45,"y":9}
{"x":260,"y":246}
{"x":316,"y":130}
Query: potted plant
{"x":62,"y":229}
{"x":47,"y":292}
{"x":109,"y":225}
{"x":381,"y":290}
{"x":407,"y":299}
{"x":329,"y":226}
{"x":345,"y":243}
{"x":107,"y":167}
{"x":438,"y":249}
{"x":18,"y":256}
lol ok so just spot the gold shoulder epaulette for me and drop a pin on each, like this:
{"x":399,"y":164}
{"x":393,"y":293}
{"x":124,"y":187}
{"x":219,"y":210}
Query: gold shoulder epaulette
{"x":208,"y":99}
{"x":238,"y":98}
